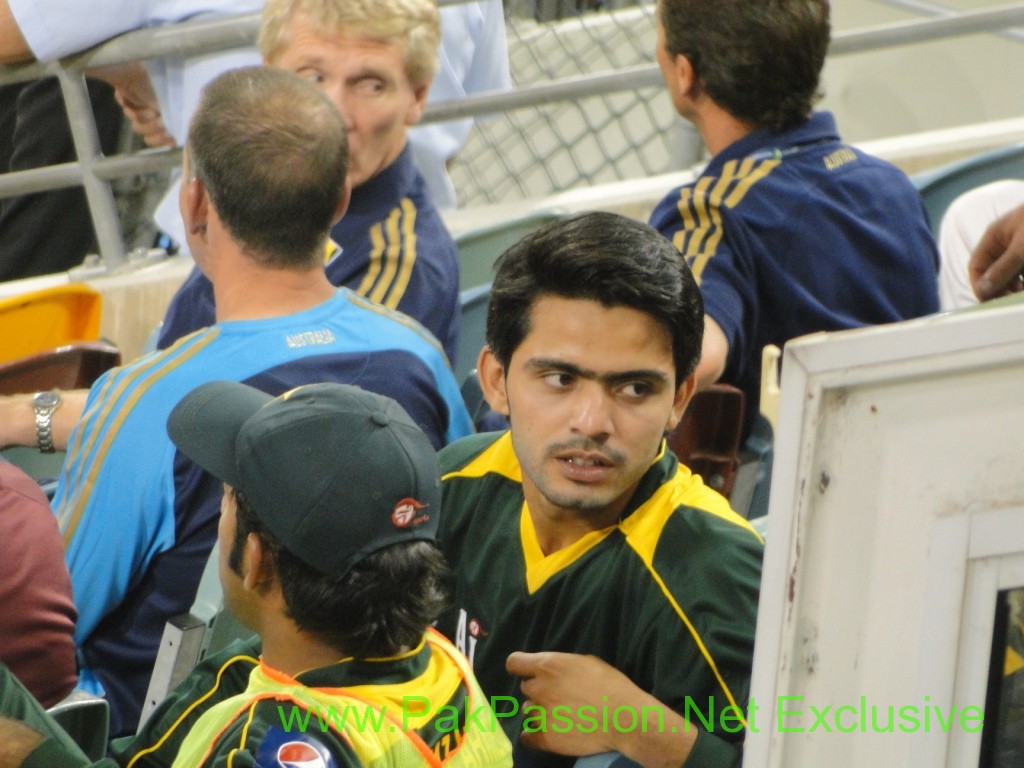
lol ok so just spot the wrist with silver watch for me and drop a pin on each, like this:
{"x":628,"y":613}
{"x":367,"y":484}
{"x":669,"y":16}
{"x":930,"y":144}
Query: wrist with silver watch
{"x":45,"y":403}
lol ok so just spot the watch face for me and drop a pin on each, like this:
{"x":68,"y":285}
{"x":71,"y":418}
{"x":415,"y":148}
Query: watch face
{"x":46,"y":400}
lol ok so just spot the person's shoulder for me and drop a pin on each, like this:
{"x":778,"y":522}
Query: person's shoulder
{"x":666,"y":216}
{"x":458,"y":455}
{"x":699,"y":547}
{"x":429,"y":223}
{"x":404,"y":211}
{"x":688,"y":521}
{"x":838,"y":157}
{"x":433,"y":243}
{"x":867,"y":160}
{"x":156,"y":375}
{"x":395,"y":324}
{"x":697,"y":539}
{"x":26,"y":518}
{"x":279,"y":728}
{"x":702,"y":507}
{"x":870,"y":178}
{"x":218,"y":677}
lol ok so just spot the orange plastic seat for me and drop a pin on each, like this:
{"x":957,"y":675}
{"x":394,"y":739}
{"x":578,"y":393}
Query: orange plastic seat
{"x":48,"y":318}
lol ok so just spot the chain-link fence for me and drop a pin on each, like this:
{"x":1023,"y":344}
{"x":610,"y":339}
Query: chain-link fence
{"x":534,"y":151}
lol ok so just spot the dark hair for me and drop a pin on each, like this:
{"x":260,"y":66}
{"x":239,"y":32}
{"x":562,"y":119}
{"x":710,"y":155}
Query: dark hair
{"x":272,"y":152}
{"x":383,"y":604}
{"x":601,"y":257}
{"x":758,"y":59}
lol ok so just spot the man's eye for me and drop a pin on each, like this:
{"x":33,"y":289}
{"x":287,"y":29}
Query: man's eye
{"x":558,"y":380}
{"x":313,"y":75}
{"x":371,"y":87}
{"x":638,"y":389}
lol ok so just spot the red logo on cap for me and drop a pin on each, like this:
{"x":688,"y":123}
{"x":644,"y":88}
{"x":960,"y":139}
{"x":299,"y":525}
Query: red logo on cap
{"x":404,"y":514}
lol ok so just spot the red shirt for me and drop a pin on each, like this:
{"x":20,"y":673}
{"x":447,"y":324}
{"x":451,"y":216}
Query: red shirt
{"x":38,"y":615}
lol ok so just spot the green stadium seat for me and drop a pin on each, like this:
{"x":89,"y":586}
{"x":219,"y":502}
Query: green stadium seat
{"x":939,"y":187}
{"x":480,"y":248}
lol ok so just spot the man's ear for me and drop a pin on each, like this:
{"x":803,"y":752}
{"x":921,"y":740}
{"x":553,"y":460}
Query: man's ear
{"x":686,"y":81}
{"x":195,"y":205}
{"x":419,"y":106}
{"x":346,"y":198}
{"x":258,"y":570}
{"x":684,"y":393}
{"x":492,"y":381}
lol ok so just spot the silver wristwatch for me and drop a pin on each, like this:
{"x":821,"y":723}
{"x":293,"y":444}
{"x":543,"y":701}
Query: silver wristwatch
{"x":45,"y":403}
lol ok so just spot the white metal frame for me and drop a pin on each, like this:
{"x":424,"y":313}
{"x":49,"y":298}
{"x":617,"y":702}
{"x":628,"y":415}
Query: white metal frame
{"x":897,"y":514}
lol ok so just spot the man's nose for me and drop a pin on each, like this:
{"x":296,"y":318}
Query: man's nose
{"x":339,"y":97}
{"x":592,"y":412}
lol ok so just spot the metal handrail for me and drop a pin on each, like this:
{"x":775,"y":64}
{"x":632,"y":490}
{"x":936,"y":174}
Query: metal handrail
{"x":909,"y":32}
{"x":857,"y":41}
{"x":186,"y":38}
{"x":94,"y":171}
{"x":925,"y":8}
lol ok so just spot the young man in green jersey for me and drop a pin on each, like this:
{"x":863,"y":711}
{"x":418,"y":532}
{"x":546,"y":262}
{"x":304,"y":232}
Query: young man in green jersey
{"x":602,"y":589}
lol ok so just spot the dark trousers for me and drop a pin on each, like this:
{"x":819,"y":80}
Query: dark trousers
{"x":50,"y":231}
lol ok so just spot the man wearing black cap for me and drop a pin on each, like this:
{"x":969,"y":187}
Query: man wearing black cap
{"x":331,"y":506}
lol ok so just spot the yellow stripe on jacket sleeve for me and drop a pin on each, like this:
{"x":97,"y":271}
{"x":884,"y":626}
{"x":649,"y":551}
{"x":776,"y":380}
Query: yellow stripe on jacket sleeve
{"x":407,"y":256}
{"x":747,"y":180}
{"x":377,"y":247}
{"x":702,"y":229}
{"x":392,"y":256}
{"x":191,"y":708}
{"x":109,"y":414}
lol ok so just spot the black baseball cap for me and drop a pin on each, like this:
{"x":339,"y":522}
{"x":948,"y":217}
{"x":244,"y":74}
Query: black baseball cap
{"x":333,"y":471}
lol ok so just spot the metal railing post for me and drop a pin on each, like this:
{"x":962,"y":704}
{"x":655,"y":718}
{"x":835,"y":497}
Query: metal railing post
{"x":98,"y":192}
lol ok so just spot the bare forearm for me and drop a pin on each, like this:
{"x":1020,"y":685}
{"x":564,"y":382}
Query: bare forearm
{"x":18,"y":419}
{"x":134,"y":93}
{"x":713,"y":355}
{"x":13,"y":46}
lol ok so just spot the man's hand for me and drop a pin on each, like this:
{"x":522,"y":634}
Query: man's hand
{"x":997,"y":263}
{"x":134,"y":92}
{"x":580,"y":694}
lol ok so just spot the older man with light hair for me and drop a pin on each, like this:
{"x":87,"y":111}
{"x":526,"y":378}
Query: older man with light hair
{"x":375,"y":60}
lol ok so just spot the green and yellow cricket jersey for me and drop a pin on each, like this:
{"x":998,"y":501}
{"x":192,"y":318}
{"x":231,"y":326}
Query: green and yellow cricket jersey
{"x":668,"y":595}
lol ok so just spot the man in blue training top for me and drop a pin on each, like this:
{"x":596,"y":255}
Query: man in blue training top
{"x":787,"y":230}
{"x":264,"y":174}
{"x":375,"y":61}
